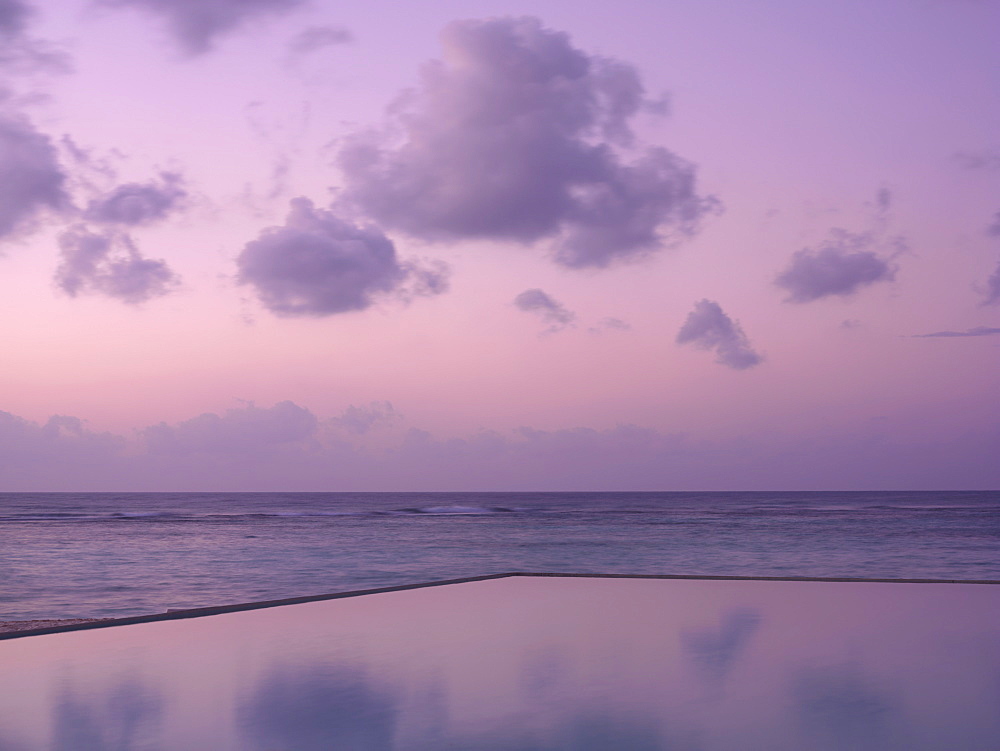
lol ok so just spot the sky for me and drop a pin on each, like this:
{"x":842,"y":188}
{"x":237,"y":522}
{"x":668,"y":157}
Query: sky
{"x":331,"y":245}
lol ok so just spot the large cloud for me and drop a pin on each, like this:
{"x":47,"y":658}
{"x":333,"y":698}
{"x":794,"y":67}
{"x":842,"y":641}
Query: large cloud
{"x":840,"y":266}
{"x":195,"y":24}
{"x":317,"y":264}
{"x":554,"y":313}
{"x":708,"y":327}
{"x":109,"y":264}
{"x":516,"y":135}
{"x":31,"y":178}
{"x":134,"y":204}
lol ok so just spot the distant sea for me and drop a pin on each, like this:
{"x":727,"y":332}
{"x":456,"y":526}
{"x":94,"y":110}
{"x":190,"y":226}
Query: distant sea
{"x":119,"y":554}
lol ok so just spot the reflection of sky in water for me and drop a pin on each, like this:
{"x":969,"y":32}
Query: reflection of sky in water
{"x":530,"y":665}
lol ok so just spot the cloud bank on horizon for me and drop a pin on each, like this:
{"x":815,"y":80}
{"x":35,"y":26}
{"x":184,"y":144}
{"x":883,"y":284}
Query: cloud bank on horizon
{"x":287,"y":447}
{"x":474,"y":175}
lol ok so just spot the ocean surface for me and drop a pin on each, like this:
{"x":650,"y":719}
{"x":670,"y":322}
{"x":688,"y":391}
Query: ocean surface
{"x":117,"y":554}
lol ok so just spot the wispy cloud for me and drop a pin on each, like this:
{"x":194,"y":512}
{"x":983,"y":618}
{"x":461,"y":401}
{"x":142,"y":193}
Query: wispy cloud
{"x":196,"y":24}
{"x":978,"y":160}
{"x":554,"y":313}
{"x":975,"y":331}
{"x":317,"y":37}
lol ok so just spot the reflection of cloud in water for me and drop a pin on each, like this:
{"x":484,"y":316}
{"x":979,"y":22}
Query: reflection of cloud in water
{"x":120,"y":719}
{"x":318,"y":708}
{"x":715,"y":650}
{"x":840,"y":704}
{"x":587,"y":731}
{"x":8,"y":744}
{"x":543,"y":670}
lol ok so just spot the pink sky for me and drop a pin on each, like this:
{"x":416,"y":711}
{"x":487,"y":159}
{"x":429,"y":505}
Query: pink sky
{"x":495,"y":271}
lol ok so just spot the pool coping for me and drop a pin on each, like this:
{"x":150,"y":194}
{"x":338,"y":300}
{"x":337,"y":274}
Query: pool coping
{"x":173,"y":615}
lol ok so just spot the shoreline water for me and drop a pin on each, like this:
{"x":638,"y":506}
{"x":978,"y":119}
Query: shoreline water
{"x":104,"y":555}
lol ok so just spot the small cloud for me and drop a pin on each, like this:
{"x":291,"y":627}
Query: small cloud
{"x":318,"y":37}
{"x":195,"y":24}
{"x":614,"y":323}
{"x":554,"y":313}
{"x":994,"y":228}
{"x":609,"y":324}
{"x":993,"y":288}
{"x":841,"y":266}
{"x":360,"y":420}
{"x":978,"y":160}
{"x":110,"y":264}
{"x":708,"y":327}
{"x":135,"y":204}
{"x":976,"y":331}
{"x":317,"y":265}
{"x":883,"y":200}
{"x":850,"y":323}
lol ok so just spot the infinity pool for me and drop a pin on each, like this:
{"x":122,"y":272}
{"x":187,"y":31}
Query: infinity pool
{"x":530,"y":664}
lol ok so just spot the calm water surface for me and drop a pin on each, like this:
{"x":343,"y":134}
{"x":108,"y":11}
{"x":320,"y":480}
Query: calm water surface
{"x":106,"y":554}
{"x":528,"y":664}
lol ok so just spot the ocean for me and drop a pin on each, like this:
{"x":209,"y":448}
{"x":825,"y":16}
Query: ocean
{"x":96,"y":555}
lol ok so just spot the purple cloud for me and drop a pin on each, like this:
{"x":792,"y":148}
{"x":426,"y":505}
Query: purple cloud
{"x":31,"y":178}
{"x":360,"y":420}
{"x":318,"y":37}
{"x":841,"y":266}
{"x":554,"y":313}
{"x":14,"y":16}
{"x":978,"y":160}
{"x":247,"y":432}
{"x":708,"y":327}
{"x":883,"y":200}
{"x":135,"y":204}
{"x":517,"y":135}
{"x":109,"y":264}
{"x":282,"y":447}
{"x":975,"y":331}
{"x":993,"y":288}
{"x":609,"y":323}
{"x":19,"y":53}
{"x":195,"y":24}
{"x":317,"y":265}
{"x":994,"y":228}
